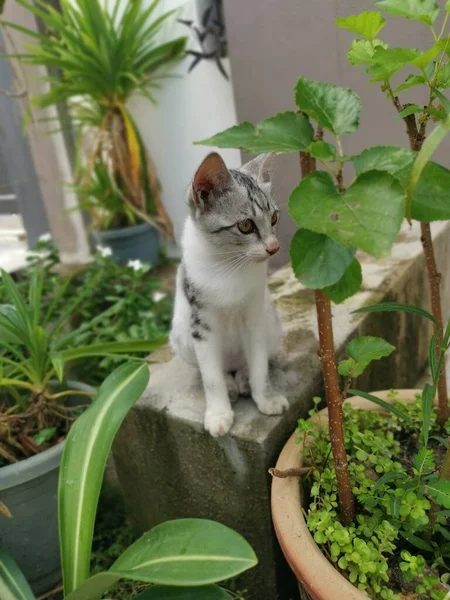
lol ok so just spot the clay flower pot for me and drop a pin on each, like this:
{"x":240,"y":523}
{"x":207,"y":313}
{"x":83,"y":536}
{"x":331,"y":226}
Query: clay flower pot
{"x":313,"y":571}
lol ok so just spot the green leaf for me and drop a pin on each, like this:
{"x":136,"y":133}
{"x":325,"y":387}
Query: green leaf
{"x":431,"y":196}
{"x":409,"y":110}
{"x":447,"y":6}
{"x":83,"y":462}
{"x":347,"y":286}
{"x":389,"y":407}
{"x":367,"y":215}
{"x":439,"y":489}
{"x":367,"y":24}
{"x":334,"y":108}
{"x":186,"y":552}
{"x":416,"y":541}
{"x":388,"y":477}
{"x":45,"y":435}
{"x":346,"y":367}
{"x":322,"y":150}
{"x":317,"y":260}
{"x":112,"y":348}
{"x":13,"y":585}
{"x":428,"y":395}
{"x":443,"y":77}
{"x":387,"y":61}
{"x":419,"y":10}
{"x":411,"y":81}
{"x":285,"y":132}
{"x":424,"y":460}
{"x":158,"y":592}
{"x":432,"y":142}
{"x":94,"y":587}
{"x":58,"y":364}
{"x":365,"y":349}
{"x":361,"y":51}
{"x":397,"y":307}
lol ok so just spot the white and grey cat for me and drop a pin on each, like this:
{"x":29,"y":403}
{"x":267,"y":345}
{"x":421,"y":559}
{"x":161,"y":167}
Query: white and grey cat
{"x":224,"y":321}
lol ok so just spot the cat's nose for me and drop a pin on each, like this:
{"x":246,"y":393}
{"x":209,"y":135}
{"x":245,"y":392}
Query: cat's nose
{"x":272,"y":247}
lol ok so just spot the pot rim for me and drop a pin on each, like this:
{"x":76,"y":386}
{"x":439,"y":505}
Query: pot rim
{"x":39,"y":464}
{"x":123,"y":232}
{"x":317,"y":575}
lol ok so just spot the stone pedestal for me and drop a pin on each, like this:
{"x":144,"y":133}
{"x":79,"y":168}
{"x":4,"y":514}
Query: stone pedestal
{"x":169,"y":468}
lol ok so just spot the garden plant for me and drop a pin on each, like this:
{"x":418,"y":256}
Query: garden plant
{"x":36,"y":348}
{"x":99,"y":57}
{"x":406,"y":531}
{"x":181,"y":559}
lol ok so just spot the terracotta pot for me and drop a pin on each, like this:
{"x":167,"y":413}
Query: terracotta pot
{"x":313,"y":571}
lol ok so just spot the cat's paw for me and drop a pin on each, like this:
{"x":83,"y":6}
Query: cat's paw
{"x":242,"y":381}
{"x":232,"y":388}
{"x":218,"y":423}
{"x":274,"y":404}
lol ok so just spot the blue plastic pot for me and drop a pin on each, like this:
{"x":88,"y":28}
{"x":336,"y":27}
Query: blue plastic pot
{"x":130,"y":243}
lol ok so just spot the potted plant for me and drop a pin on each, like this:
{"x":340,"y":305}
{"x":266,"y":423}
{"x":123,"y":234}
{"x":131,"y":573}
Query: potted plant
{"x":103,"y":56}
{"x":179,"y":559}
{"x":335,"y":221}
{"x":37,"y":409}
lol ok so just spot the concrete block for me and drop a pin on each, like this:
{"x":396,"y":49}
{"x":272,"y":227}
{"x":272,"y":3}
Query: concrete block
{"x":169,"y":468}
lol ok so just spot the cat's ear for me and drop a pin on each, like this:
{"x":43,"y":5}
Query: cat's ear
{"x":211,"y":176}
{"x":261,"y":167}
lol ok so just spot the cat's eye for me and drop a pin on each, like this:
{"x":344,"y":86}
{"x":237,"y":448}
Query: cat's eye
{"x":246,"y":226}
{"x":274,"y":218}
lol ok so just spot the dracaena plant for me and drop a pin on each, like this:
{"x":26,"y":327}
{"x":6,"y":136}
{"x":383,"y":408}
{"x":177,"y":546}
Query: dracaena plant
{"x":36,"y":349}
{"x":99,"y":55}
{"x":179,"y":559}
{"x":414,"y":72}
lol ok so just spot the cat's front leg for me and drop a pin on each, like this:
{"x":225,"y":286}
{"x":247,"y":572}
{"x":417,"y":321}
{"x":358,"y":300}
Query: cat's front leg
{"x":256,"y":345}
{"x":219,"y":416}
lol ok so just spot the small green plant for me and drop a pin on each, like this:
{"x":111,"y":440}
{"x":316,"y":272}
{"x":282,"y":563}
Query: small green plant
{"x":36,"y":348}
{"x":181,"y":559}
{"x":104,"y":54}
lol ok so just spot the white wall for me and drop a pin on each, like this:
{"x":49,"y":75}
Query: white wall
{"x":190,"y":107}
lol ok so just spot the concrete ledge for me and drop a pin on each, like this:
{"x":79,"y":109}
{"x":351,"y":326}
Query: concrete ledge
{"x":169,"y":468}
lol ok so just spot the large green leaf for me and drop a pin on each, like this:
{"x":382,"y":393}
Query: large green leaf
{"x":419,"y":10}
{"x":13,"y":585}
{"x":367,"y":24}
{"x":334,"y":108}
{"x":83,"y":462}
{"x":367,"y":215}
{"x":431,"y":195}
{"x":362,"y":51}
{"x":186,"y":552}
{"x":94,"y":587}
{"x":317,"y":260}
{"x":348,"y":285}
{"x":159,"y":592}
{"x":387,"y":61}
{"x":365,"y":349}
{"x":107,"y":348}
{"x":439,"y":489}
{"x":285,"y":132}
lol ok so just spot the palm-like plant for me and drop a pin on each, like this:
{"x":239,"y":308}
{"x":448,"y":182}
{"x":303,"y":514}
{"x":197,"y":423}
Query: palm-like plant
{"x":98,"y":57}
{"x":35,"y":350}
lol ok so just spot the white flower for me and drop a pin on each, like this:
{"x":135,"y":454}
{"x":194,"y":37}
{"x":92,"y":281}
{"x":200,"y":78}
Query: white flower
{"x":105,"y":251}
{"x":45,"y":237}
{"x":136,"y":265}
{"x":158,"y":296}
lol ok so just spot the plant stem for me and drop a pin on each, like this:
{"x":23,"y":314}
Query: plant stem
{"x":332,"y":392}
{"x":416,"y":140}
{"x":335,"y":404}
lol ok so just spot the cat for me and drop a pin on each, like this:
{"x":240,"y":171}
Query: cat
{"x":224,"y":321}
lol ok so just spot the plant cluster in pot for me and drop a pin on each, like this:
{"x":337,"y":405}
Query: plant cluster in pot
{"x":180,"y":559}
{"x":378,"y":490}
{"x":38,"y":405}
{"x":104,"y":56}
